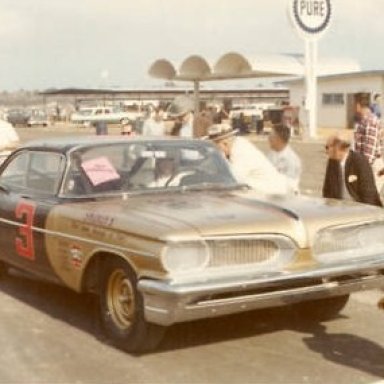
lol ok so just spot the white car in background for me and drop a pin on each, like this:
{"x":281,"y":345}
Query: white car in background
{"x":88,"y":115}
{"x":248,"y":111}
{"x":38,"y":117}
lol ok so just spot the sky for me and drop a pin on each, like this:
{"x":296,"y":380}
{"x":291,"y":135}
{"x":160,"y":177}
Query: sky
{"x":111,"y":43}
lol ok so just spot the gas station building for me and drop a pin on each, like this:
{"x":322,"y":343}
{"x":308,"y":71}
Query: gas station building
{"x":338,"y":96}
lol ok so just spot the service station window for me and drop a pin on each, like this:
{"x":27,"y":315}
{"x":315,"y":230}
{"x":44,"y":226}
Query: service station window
{"x":333,"y":99}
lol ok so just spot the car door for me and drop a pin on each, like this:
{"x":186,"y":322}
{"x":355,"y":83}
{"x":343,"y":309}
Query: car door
{"x":28,"y":191}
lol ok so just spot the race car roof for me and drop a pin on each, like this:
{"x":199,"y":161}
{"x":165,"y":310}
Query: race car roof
{"x":67,"y":143}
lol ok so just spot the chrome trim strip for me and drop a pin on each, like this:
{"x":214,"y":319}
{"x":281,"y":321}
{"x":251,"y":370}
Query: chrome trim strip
{"x":77,"y":238}
{"x":175,"y":310}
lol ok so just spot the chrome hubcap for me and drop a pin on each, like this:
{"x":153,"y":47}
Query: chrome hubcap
{"x":121,"y":299}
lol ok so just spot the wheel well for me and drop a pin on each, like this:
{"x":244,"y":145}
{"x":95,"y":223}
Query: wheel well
{"x":92,"y":274}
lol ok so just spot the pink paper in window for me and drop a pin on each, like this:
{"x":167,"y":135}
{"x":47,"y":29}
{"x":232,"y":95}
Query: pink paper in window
{"x":100,"y":170}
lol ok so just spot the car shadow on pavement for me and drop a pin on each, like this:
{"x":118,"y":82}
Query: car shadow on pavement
{"x":231,"y":327}
{"x":80,"y":311}
{"x":75,"y":309}
{"x":345,"y":349}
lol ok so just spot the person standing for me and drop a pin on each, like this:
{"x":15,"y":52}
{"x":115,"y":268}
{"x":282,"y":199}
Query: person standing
{"x":154,"y":125}
{"x":283,"y":157}
{"x":127,"y":128}
{"x":220,"y":115}
{"x":368,"y":142}
{"x":181,"y":110}
{"x":375,"y":106}
{"x":348,"y":174}
{"x":249,"y":165}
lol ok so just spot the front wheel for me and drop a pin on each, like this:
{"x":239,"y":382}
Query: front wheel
{"x":122,"y":309}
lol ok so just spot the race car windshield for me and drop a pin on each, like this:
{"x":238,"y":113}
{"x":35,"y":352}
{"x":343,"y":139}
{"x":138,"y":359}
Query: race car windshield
{"x":145,"y":167}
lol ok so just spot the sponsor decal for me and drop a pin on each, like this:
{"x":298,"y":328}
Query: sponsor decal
{"x":98,"y":219}
{"x":76,"y":256}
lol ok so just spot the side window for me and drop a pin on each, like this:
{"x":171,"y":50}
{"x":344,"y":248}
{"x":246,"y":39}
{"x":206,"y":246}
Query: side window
{"x":14,"y":176}
{"x":35,"y":171}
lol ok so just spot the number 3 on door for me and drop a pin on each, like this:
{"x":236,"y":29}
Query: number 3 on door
{"x":25,"y":211}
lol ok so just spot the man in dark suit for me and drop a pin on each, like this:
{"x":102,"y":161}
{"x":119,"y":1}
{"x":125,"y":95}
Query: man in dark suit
{"x":349,"y":175}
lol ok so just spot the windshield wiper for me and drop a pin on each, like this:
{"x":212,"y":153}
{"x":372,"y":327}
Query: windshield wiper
{"x":213,"y":187}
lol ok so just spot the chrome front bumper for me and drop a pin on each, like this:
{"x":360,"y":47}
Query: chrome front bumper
{"x":166,"y":303}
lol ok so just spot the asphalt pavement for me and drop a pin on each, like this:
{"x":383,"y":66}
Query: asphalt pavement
{"x":48,"y":335}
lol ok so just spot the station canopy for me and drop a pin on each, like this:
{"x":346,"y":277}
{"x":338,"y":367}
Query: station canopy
{"x":234,"y":65}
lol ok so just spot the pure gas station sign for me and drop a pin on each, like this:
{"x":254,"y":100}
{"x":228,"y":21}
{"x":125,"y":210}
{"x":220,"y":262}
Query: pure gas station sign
{"x":311,"y":17}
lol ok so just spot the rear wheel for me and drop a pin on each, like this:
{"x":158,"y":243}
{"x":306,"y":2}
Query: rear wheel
{"x":322,"y":309}
{"x":122,"y":309}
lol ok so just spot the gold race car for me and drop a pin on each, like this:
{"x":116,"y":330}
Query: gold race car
{"x":160,"y":230}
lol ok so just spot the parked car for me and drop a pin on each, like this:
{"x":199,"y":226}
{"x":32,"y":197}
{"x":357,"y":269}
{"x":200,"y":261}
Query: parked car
{"x":248,"y":117}
{"x":18,"y":117}
{"x":38,"y":118}
{"x":89,"y":115}
{"x":161,"y":232}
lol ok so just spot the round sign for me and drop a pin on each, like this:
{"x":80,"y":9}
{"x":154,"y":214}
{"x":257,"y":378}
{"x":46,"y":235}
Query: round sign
{"x":311,"y":17}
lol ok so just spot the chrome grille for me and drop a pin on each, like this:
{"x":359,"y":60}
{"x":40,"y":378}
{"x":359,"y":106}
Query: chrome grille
{"x":241,"y":251}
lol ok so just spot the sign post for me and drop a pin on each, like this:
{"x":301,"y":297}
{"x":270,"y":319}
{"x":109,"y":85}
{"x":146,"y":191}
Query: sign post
{"x":311,"y":19}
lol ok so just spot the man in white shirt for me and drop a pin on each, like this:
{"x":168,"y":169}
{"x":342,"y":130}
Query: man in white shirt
{"x":249,"y":165}
{"x":283,"y":157}
{"x":154,"y":125}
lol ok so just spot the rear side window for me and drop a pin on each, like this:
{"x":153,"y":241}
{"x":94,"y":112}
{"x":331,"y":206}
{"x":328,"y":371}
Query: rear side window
{"x":34,"y":171}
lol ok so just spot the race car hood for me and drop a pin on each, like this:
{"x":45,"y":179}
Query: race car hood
{"x":183,"y":216}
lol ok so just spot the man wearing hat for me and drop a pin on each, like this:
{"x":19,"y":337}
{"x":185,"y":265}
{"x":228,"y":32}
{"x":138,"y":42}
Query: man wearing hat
{"x":181,"y":109}
{"x":348,"y":175}
{"x":249,"y":165}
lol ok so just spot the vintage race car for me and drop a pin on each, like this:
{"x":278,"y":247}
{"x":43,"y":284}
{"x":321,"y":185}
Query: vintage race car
{"x":162,"y":233}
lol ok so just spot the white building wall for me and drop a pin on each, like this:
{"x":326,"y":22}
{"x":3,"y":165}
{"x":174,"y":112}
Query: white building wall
{"x":334,"y":116}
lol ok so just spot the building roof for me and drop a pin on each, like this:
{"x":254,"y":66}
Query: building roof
{"x":236,"y":65}
{"x":350,"y":75}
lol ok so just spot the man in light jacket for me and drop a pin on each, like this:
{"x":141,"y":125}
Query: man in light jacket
{"x":249,"y":165}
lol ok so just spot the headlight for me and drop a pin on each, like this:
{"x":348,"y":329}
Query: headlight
{"x":349,"y":242}
{"x":184,"y":257}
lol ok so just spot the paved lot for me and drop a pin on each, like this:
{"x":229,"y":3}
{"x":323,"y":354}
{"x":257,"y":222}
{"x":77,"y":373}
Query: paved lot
{"x":48,"y":334}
